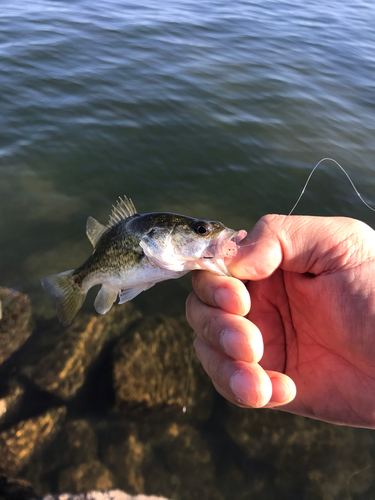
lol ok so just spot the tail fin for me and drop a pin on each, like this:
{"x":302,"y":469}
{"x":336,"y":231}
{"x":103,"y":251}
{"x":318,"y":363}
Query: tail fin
{"x":69,"y":297}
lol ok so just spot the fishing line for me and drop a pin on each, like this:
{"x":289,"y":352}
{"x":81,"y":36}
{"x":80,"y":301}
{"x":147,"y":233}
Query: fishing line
{"x":347,"y":175}
{"x":305,"y":186}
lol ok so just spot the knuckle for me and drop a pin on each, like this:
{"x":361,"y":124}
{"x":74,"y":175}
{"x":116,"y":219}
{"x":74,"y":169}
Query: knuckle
{"x":208,"y":321}
{"x":214,"y":368}
{"x":270,"y":220}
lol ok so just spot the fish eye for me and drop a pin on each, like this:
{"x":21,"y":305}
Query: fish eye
{"x":202,"y":228}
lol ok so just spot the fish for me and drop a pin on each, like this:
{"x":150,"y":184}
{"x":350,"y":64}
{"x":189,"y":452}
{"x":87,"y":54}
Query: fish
{"x":135,"y":251}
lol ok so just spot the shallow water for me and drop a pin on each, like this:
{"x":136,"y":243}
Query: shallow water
{"x":213,"y":110}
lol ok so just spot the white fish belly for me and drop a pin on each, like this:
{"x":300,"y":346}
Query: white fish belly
{"x":131,"y":277}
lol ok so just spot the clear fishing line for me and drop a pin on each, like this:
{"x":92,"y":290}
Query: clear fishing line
{"x":305,"y":186}
{"x":347,"y":175}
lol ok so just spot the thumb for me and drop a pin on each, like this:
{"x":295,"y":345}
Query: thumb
{"x":301,"y":244}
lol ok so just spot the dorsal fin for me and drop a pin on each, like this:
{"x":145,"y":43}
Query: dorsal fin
{"x":94,"y":230}
{"x":123,"y":210}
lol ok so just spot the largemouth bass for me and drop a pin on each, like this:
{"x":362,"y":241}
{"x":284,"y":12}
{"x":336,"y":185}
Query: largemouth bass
{"x":135,"y":251}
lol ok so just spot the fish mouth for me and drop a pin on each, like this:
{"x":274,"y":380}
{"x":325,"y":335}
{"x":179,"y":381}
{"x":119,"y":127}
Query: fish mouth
{"x":225,"y":245}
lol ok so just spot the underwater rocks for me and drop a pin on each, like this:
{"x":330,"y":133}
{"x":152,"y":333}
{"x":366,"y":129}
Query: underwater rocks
{"x":65,"y":355}
{"x":88,"y":476}
{"x":124,"y":453}
{"x":75,"y":444}
{"x":288,"y":453}
{"x":188,"y":467}
{"x":10,"y":398}
{"x":149,"y":363}
{"x":15,"y":322}
{"x":21,"y":441}
{"x":163,"y":458}
{"x":155,"y":366}
{"x":16,"y":490}
{"x":71,"y":459}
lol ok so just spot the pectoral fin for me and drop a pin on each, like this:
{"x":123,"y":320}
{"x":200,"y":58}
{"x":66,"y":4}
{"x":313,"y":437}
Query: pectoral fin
{"x":105,"y":299}
{"x":131,"y":292}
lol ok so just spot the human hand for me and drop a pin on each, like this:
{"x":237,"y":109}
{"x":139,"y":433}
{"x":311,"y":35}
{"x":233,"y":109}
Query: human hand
{"x":307,"y":343}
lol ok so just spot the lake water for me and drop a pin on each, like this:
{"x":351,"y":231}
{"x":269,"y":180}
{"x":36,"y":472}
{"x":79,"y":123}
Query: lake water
{"x":212,"y":109}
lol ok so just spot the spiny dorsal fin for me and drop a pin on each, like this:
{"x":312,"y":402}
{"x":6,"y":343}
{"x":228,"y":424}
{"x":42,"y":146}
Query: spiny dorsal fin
{"x":94,"y":230}
{"x":123,"y":210}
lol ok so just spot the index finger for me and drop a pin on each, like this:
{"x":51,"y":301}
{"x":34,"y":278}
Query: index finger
{"x":226,"y":293}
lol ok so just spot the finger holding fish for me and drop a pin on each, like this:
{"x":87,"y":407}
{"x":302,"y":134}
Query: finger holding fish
{"x":224,"y":292}
{"x":244,"y":384}
{"x":227,"y":333}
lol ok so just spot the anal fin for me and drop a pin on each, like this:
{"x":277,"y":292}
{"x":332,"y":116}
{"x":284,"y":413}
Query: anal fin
{"x":105,"y":299}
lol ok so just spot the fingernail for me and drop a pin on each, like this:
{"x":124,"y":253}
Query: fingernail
{"x":281,"y":391}
{"x":225,"y":298}
{"x":242,"y":386}
{"x":236,"y":345}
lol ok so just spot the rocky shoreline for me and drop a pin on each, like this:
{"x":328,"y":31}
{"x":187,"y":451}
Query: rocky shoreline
{"x":98,"y":407}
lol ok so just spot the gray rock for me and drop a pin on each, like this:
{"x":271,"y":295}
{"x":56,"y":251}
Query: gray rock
{"x":170,"y":459}
{"x":16,"y":490}
{"x":333,"y":461}
{"x":86,"y":477}
{"x":15,"y":322}
{"x":155,"y":366}
{"x":21,"y":441}
{"x":65,"y":355}
{"x":10,"y":400}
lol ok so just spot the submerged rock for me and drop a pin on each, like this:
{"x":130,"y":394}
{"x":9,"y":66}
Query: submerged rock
{"x":169,"y":459}
{"x":66,"y":355}
{"x":75,"y":444}
{"x":88,"y":476}
{"x":15,"y":322}
{"x":156,"y":366}
{"x":16,"y":490}
{"x":21,"y":441}
{"x":10,"y":398}
{"x":188,"y":467}
{"x":124,"y":454}
{"x":317,"y":459}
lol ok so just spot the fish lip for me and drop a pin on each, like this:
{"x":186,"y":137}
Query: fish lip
{"x":239,"y":236}
{"x":216,"y":248}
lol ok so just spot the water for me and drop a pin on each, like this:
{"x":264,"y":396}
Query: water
{"x":210,"y":109}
